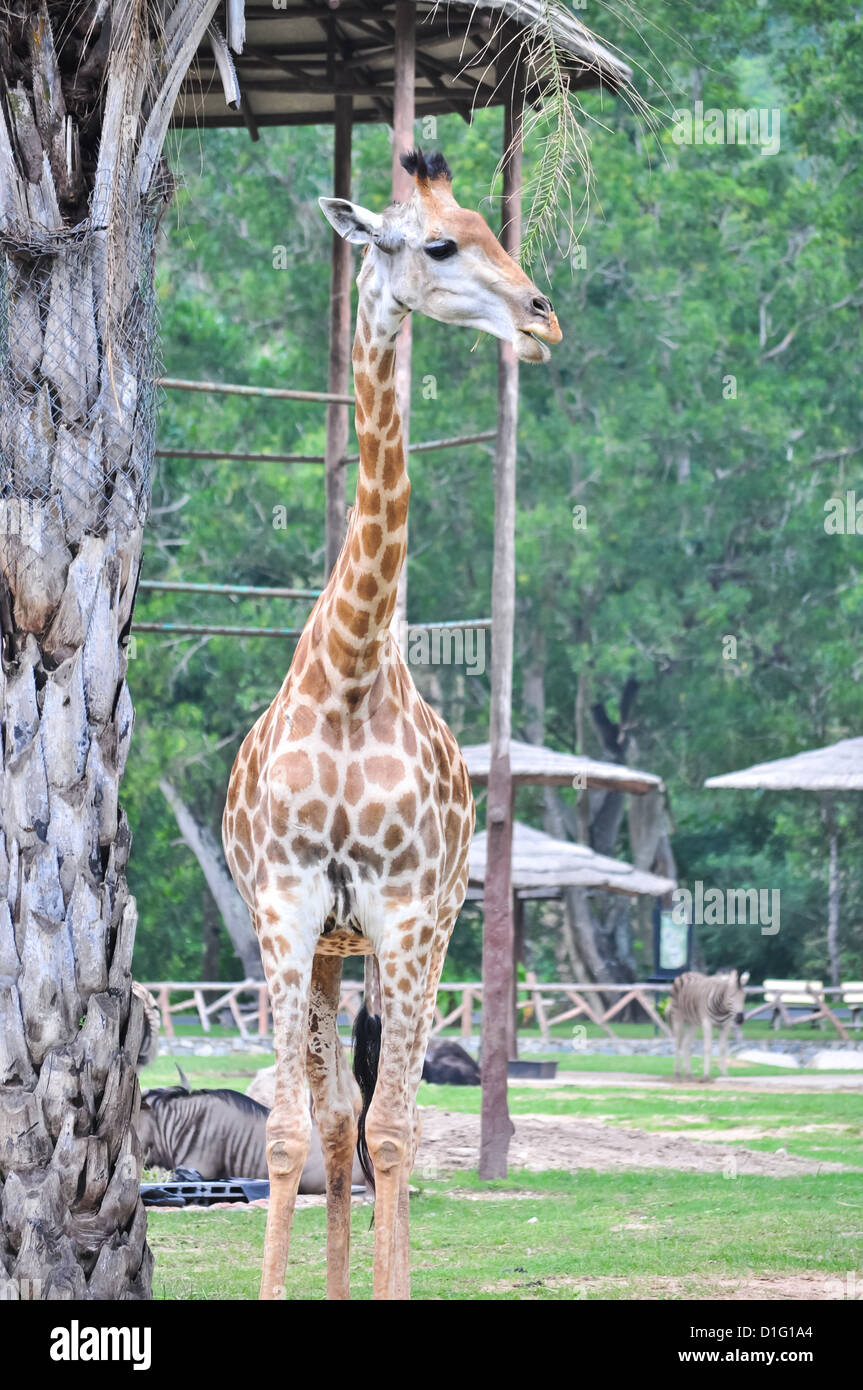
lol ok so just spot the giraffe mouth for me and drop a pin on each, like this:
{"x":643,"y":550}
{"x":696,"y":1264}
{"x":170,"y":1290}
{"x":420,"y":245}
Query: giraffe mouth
{"x":532,"y":344}
{"x":529,"y":347}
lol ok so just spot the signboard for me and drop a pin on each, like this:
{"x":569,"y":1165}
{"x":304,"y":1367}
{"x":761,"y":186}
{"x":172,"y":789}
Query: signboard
{"x":672,"y":944}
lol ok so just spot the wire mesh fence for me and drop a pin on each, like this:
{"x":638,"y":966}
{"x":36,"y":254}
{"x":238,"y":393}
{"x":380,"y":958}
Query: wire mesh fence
{"x":77,"y":401}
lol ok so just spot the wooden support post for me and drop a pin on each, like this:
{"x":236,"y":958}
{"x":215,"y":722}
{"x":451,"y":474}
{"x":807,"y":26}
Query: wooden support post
{"x":496,"y":1125}
{"x":517,"y":956}
{"x":539,"y":1008}
{"x":467,"y":1013}
{"x":338,"y":381}
{"x":202,"y":1010}
{"x":404,"y":110}
{"x":165,"y":1011}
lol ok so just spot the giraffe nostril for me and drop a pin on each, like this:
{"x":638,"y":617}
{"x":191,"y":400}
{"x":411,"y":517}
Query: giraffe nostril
{"x":541,"y":304}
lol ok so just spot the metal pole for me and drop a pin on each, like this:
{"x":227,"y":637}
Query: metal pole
{"x":404,"y":110}
{"x":220,"y":630}
{"x":338,"y":380}
{"x":496,"y":1126}
{"x":207,"y":630}
{"x":423,"y":447}
{"x":275,"y":393}
{"x":240,"y":590}
{"x":220,"y":456}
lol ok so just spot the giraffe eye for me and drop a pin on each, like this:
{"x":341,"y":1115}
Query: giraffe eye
{"x":440,"y":250}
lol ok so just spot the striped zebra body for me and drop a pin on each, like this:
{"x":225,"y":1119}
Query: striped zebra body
{"x":707,"y":1002}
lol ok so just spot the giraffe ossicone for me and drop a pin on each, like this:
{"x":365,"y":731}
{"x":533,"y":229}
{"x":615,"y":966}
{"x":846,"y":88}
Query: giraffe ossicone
{"x":349,"y":811}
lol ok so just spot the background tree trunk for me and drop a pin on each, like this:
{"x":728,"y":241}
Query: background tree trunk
{"x":234,"y":913}
{"x":81,"y":131}
{"x":598,"y":926}
{"x":828,"y":817}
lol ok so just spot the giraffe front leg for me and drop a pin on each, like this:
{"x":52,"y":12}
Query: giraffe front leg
{"x":337,"y":1104}
{"x":400,"y":1273}
{"x":390,"y":1123}
{"x":287,"y":960}
{"x":400,"y":1279}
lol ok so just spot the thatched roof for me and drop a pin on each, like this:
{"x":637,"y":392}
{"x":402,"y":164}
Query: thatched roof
{"x":534,"y":765}
{"x":838,"y":768}
{"x":541,"y":866}
{"x":295,"y":59}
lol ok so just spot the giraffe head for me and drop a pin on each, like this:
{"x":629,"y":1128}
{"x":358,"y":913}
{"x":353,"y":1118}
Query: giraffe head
{"x":437,"y":258}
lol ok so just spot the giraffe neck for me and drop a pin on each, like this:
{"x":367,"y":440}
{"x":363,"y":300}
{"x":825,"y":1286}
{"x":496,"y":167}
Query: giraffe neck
{"x":359,"y":601}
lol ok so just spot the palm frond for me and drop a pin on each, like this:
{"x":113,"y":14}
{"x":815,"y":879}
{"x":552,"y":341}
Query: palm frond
{"x":559,"y":126}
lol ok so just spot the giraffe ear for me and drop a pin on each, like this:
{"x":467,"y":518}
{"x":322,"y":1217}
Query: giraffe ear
{"x":357,"y":225}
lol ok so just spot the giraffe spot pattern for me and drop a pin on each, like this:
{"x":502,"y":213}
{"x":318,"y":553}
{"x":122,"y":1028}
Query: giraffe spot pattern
{"x":341,"y":739}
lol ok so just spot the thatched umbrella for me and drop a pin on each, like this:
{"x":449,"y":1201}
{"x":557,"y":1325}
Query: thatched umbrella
{"x":542,"y":866}
{"x":532,"y":764}
{"x":836,"y":768}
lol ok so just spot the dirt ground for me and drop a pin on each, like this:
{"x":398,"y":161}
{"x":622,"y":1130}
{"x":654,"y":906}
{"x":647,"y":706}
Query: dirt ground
{"x":805,"y":1285}
{"x":450,"y":1141}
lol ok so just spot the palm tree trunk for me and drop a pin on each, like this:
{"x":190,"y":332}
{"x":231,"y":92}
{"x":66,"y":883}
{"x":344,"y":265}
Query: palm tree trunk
{"x":79,"y":204}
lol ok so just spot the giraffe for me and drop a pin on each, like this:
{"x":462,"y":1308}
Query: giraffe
{"x":349,"y":812}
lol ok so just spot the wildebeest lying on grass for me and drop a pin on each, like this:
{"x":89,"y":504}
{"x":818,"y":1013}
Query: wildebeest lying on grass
{"x":448,"y":1064}
{"x":219,"y":1134}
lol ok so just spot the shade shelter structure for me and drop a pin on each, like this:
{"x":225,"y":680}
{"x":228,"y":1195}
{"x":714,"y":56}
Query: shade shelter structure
{"x":544,"y":867}
{"x":836,"y":768}
{"x":299,"y":62}
{"x":299,"y":57}
{"x":533,"y":764}
{"x":571,"y":864}
{"x":831,"y":770}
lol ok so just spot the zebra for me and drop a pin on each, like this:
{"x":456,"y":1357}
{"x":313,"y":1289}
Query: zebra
{"x":704,"y":1000}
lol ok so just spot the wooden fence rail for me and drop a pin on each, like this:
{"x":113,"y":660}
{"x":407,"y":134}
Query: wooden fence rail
{"x":548,"y":1004}
{"x":249,"y":1004}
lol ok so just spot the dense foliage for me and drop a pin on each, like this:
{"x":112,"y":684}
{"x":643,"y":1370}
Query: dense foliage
{"x":703,"y":408}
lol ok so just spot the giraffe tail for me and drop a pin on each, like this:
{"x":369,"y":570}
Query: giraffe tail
{"x":367,"y":1051}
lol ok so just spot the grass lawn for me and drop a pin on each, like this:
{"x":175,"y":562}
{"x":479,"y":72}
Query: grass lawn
{"x":234,"y":1071}
{"x":549,"y":1236}
{"x":657,"y":1234}
{"x":237,"y":1069}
